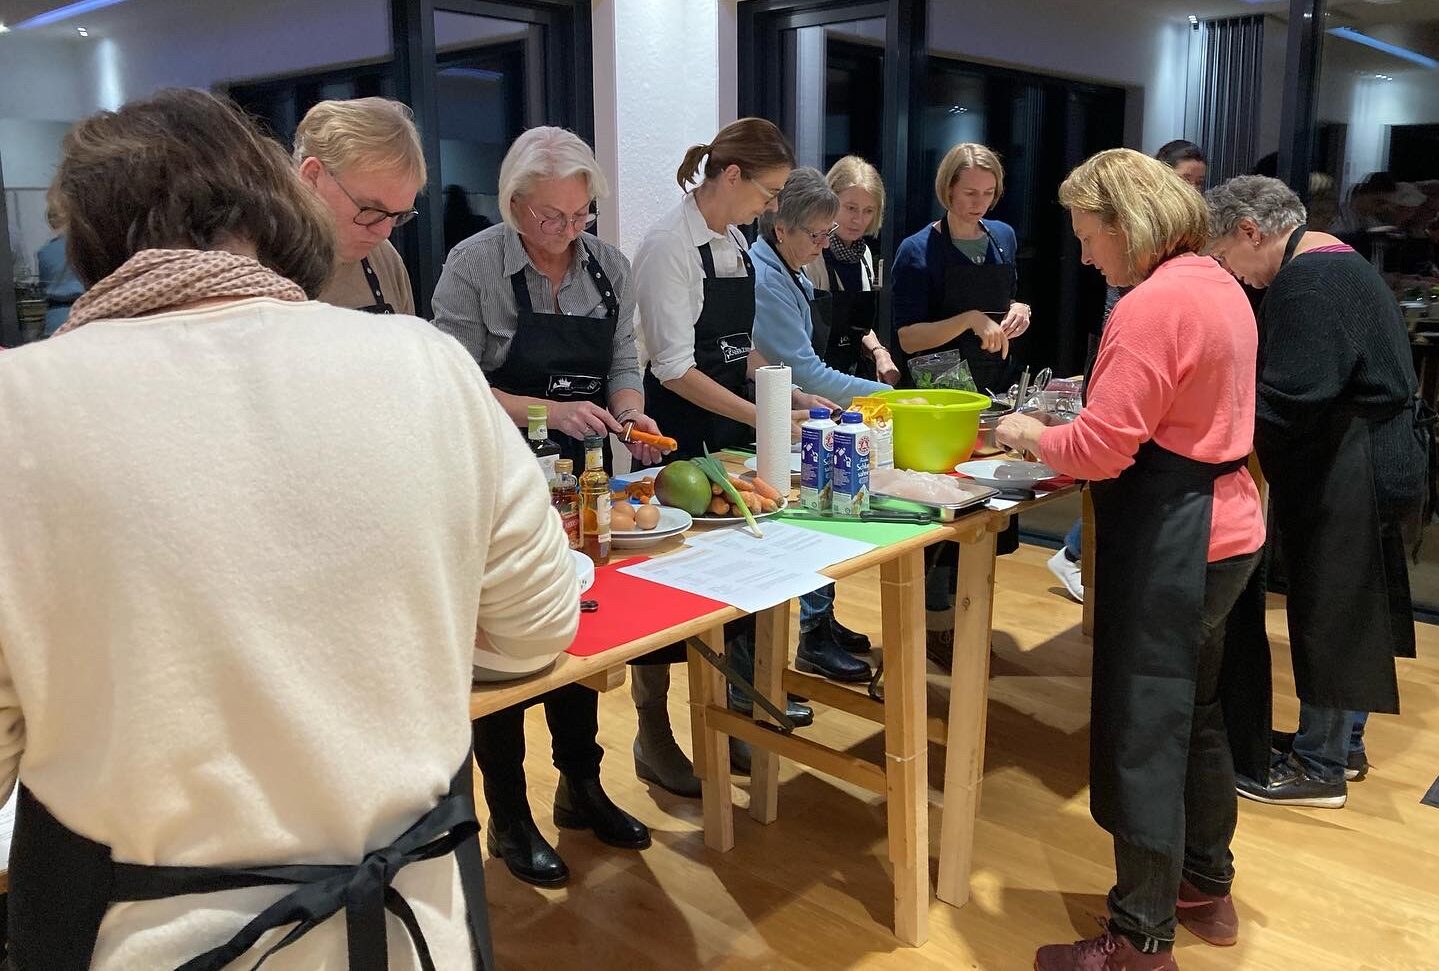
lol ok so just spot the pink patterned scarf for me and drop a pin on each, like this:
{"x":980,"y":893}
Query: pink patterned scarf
{"x":161,"y":279}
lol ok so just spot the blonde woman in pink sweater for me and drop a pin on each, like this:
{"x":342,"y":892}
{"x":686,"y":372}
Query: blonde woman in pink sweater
{"x":1163,"y":441}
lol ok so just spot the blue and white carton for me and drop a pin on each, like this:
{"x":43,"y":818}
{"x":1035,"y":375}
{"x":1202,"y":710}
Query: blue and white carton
{"x":852,"y":447}
{"x":816,"y":460}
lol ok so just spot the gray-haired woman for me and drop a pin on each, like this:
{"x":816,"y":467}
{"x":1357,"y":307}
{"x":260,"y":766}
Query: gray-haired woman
{"x":784,"y":331}
{"x":1339,"y":437}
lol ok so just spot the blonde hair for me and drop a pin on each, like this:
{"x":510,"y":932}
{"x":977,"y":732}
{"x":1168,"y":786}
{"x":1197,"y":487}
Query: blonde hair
{"x":967,"y":155}
{"x":369,"y":133}
{"x":854,"y":172}
{"x":547,"y":152}
{"x":1160,"y":215}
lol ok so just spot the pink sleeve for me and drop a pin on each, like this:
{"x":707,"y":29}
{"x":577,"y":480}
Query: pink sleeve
{"x":1133,"y":387}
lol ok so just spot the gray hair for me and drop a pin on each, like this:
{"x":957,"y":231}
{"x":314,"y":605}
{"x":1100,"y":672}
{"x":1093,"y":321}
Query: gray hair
{"x":547,"y":152}
{"x":1271,"y":204}
{"x":806,"y":196}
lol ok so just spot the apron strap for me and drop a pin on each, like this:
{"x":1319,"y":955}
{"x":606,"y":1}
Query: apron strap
{"x":707,"y":259}
{"x":1293,"y":242}
{"x":373,"y":279}
{"x":521,"y":287}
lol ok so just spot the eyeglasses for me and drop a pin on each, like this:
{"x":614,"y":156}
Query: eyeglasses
{"x":827,"y":234}
{"x":764,"y":190}
{"x":557,"y":224}
{"x":370,"y":215}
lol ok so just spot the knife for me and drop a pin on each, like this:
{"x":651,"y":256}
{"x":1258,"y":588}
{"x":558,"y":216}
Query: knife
{"x":887,"y":516}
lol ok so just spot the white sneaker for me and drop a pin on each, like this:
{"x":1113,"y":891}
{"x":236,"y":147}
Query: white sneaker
{"x":1067,"y":572}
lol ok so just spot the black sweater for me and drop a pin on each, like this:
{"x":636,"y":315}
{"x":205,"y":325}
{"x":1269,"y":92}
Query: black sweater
{"x":1332,"y":340}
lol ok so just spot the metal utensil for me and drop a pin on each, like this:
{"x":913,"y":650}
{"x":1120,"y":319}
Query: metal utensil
{"x":1041,"y":380}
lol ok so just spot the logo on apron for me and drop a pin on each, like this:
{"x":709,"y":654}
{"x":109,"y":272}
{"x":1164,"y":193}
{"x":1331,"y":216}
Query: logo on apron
{"x":572,"y":387}
{"x":736,"y":347}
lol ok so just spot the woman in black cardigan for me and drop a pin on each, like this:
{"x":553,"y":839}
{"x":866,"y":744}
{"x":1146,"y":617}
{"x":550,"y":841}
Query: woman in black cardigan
{"x":1342,"y":443}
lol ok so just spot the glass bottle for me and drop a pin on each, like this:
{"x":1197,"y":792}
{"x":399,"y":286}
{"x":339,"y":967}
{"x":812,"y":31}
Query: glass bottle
{"x":595,"y":503}
{"x":546,"y":452}
{"x":565,"y":496}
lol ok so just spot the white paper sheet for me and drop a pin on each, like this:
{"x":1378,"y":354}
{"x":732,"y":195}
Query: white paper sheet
{"x":791,"y":546}
{"x":750,"y":583}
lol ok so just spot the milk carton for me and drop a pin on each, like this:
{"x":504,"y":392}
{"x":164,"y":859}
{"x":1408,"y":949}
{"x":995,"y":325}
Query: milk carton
{"x":850,"y":484}
{"x":816,"y":460}
{"x":880,"y":421}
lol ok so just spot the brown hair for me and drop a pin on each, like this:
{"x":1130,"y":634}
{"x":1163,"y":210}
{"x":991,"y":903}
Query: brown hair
{"x":967,"y":155}
{"x":1160,"y":215}
{"x":186,"y":170}
{"x":753,"y":144}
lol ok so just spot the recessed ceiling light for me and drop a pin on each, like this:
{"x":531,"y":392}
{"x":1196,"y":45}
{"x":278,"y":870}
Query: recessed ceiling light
{"x":82,"y":32}
{"x":1193,"y":21}
{"x":3,"y":28}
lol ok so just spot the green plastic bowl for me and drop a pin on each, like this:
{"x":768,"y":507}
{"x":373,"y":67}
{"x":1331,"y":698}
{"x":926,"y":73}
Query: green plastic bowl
{"x":937,"y":435}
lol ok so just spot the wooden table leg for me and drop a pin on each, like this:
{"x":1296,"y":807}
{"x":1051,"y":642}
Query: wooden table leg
{"x":968,"y":711}
{"x":905,"y":742}
{"x":711,"y":748}
{"x":771,"y":657}
{"x":1086,"y":559}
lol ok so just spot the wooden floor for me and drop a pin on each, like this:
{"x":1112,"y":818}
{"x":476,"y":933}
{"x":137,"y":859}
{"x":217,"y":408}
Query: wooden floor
{"x":1356,"y":888}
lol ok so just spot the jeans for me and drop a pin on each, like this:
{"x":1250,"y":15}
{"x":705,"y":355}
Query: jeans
{"x":1072,"y":541}
{"x":813,"y":606}
{"x":1146,"y":890}
{"x":1326,"y":738}
{"x":572,"y":713}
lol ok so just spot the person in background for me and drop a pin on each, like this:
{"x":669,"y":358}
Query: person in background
{"x":1342,"y":441}
{"x":242,"y":587}
{"x":62,"y":286}
{"x":364,"y":160}
{"x":792,"y":237}
{"x":695,"y":291}
{"x":1163,"y":439}
{"x":1190,"y":164}
{"x":461,"y":221}
{"x":844,"y":278}
{"x":954,"y":287}
{"x":547,"y":310}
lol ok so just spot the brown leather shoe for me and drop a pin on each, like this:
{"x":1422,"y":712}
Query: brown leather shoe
{"x":1107,"y":952}
{"x":1211,"y":919}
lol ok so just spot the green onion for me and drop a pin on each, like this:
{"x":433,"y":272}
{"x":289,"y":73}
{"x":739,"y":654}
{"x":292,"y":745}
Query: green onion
{"x":711,"y":467}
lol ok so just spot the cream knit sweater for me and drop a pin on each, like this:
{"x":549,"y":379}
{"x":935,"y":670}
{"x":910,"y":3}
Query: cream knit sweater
{"x":244,"y":552}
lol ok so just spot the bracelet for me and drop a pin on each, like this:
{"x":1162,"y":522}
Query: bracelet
{"x":628,"y":411}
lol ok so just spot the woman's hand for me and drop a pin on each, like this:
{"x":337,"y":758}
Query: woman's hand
{"x":1015,"y":322}
{"x":1020,"y":433}
{"x":803,"y":401}
{"x":797,"y":418}
{"x":646,"y":455}
{"x":884,"y":367}
{"x":580,"y":418}
{"x":992,"y":336}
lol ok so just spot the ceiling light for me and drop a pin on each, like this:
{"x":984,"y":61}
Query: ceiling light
{"x":1404,"y":53}
{"x":1193,"y":21}
{"x":82,"y":32}
{"x":65,"y":13}
{"x":3,"y":28}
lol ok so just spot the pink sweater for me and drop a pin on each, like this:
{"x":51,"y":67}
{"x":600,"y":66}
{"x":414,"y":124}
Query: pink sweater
{"x":1176,"y":365}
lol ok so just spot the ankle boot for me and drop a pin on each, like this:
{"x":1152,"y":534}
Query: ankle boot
{"x":819,"y":654}
{"x":511,"y":835}
{"x":583,"y":804}
{"x":658,"y":758}
{"x":851,"y":640}
{"x":739,"y":757}
{"x":801,"y":715}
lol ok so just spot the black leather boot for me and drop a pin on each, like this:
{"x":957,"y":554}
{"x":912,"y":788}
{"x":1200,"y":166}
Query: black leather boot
{"x":851,"y":640}
{"x":583,"y":804}
{"x":511,"y":835}
{"x":801,"y":715}
{"x":819,"y":654}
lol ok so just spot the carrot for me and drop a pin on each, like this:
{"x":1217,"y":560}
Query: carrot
{"x":719,"y":506}
{"x":715,"y":489}
{"x":764,"y":488}
{"x":768,"y":504}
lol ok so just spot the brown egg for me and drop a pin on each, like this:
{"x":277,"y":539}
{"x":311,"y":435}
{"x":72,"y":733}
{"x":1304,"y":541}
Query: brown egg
{"x":647,"y":517}
{"x":622,"y":517}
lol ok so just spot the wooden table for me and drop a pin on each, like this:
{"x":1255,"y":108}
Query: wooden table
{"x":903,"y":778}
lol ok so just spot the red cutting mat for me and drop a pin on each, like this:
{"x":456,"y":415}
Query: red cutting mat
{"x":631,"y":608}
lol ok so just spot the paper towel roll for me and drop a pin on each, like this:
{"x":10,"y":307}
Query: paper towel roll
{"x":772,"y":403}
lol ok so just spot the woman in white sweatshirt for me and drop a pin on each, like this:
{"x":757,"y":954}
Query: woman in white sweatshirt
{"x":251,"y":543}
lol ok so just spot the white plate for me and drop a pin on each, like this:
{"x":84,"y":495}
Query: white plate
{"x":752,"y":463}
{"x":672,"y":523}
{"x":1005,"y":473}
{"x":584,"y":569}
{"x":739,"y":520}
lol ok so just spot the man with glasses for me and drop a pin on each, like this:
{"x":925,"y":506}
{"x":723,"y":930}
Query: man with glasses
{"x":364,"y":160}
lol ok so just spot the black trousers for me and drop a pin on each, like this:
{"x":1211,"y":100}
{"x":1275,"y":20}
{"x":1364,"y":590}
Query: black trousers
{"x":1143,"y":901}
{"x":572,"y":713}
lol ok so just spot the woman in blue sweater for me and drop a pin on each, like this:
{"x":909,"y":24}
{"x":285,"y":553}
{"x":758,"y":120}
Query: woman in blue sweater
{"x":790,"y":237}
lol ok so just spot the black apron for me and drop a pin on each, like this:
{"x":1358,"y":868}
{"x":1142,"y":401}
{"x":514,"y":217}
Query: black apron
{"x":61,"y":884}
{"x":1348,"y":578}
{"x":841,"y":320}
{"x":987,"y":286}
{"x":723,"y":340}
{"x":1152,"y":527}
{"x":380,"y":305}
{"x":561,"y":357}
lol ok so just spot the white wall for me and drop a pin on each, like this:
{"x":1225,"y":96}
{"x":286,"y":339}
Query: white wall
{"x":1134,"y":48}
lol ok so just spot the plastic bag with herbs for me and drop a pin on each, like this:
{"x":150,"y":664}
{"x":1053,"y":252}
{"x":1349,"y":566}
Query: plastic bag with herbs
{"x":946,"y":369}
